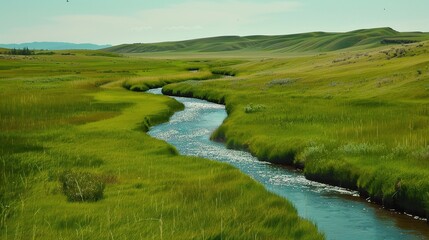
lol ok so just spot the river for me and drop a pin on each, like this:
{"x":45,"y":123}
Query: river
{"x":338,"y":212}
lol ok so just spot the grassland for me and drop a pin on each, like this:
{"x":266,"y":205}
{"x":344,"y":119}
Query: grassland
{"x":70,"y":110}
{"x":355,"y":118}
{"x":353,"y":115}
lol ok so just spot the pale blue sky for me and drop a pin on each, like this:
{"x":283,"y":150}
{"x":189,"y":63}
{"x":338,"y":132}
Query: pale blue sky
{"x":130,"y":21}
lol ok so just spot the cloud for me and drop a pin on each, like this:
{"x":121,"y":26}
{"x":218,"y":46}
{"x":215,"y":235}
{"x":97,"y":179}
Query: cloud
{"x":183,"y":28}
{"x":202,"y":12}
{"x":185,"y":20}
{"x":215,"y":18}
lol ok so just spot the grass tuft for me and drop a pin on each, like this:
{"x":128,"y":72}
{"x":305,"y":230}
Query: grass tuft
{"x":82,"y":186}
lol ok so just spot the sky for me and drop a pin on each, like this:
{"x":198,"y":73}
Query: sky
{"x":144,"y":21}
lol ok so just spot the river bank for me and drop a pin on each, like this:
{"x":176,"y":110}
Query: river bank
{"x":54,"y":120}
{"x":343,"y":124}
{"x":333,"y":209}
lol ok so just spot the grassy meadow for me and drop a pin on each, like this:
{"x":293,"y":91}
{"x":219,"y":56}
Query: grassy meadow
{"x":352,"y":118}
{"x":349,"y":109}
{"x":72,"y":110}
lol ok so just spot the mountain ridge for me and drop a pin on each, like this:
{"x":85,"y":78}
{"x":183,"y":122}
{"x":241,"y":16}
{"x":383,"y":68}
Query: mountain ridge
{"x":300,"y":42}
{"x":55,"y":46}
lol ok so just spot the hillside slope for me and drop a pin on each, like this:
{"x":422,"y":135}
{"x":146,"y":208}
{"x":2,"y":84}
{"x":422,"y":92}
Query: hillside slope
{"x":305,"y":42}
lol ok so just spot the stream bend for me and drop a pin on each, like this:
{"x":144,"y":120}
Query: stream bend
{"x":338,"y":212}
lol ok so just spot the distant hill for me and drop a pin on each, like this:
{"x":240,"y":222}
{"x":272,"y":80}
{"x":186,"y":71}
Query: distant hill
{"x":55,"y":46}
{"x":305,"y":42}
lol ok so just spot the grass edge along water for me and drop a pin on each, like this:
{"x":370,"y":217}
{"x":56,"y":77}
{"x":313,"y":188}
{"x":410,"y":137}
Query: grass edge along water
{"x":78,"y":116}
{"x":360,"y":93}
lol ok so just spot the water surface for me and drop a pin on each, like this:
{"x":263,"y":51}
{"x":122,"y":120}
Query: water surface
{"x":338,"y":212}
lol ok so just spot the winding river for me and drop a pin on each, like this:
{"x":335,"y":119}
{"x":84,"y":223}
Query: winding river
{"x":338,"y":212}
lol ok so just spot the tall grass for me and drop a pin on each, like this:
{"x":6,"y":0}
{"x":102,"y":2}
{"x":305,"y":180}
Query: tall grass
{"x":69,"y":113}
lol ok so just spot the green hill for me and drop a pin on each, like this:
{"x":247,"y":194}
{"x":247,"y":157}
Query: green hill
{"x":304,"y":42}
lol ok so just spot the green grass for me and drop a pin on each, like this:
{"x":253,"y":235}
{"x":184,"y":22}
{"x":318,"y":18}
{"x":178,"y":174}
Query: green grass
{"x":356,"y":119}
{"x":70,"y":112}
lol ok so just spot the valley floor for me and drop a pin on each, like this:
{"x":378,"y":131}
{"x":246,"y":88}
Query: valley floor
{"x":357,"y":119}
{"x":70,"y":111}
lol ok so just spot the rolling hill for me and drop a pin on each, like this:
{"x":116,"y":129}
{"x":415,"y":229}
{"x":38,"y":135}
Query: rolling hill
{"x":304,"y":42}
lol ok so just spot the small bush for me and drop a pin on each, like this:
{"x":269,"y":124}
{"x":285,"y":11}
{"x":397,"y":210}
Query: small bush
{"x":82,"y":186}
{"x":45,"y":53}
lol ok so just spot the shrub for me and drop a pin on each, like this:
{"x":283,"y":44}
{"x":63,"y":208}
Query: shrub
{"x":45,"y":53}
{"x":24,"y":51}
{"x":82,"y":186}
